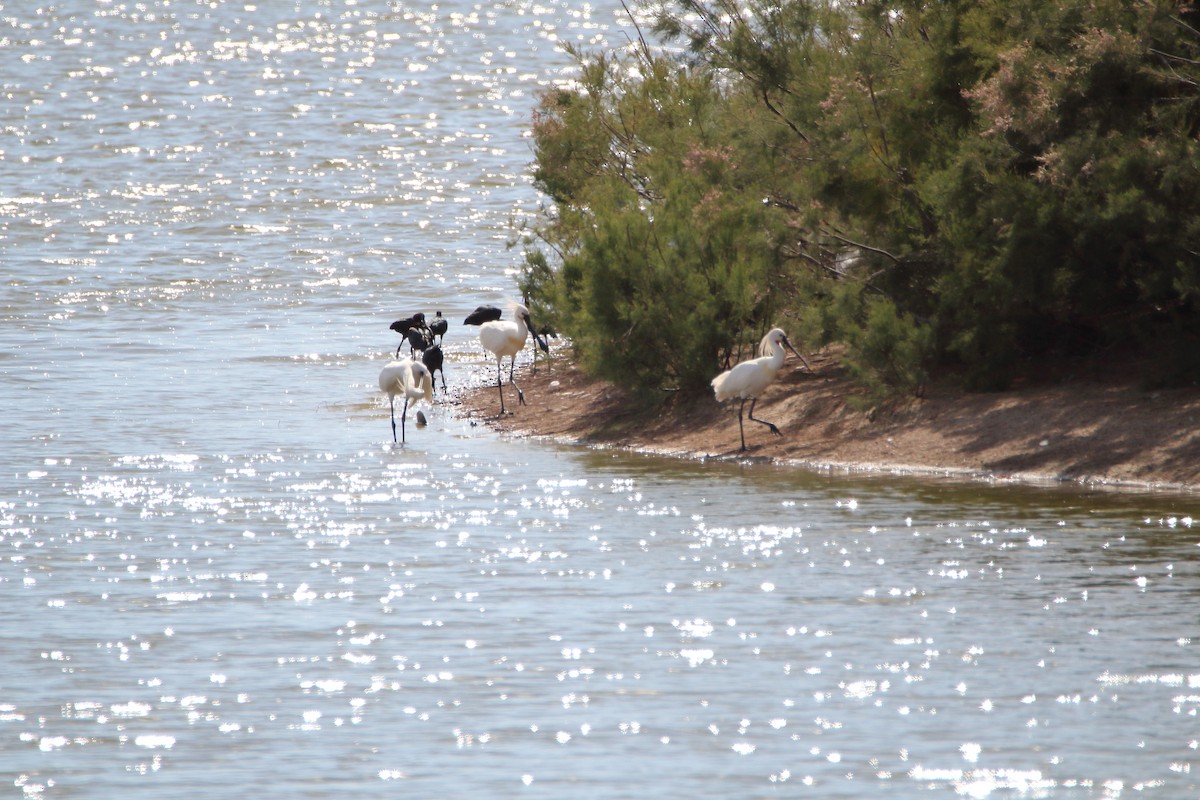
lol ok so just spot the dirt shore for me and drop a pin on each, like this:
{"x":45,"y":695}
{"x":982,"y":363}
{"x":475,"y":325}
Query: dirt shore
{"x":1095,"y":431}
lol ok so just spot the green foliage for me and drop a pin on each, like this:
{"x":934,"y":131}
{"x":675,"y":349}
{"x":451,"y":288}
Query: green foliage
{"x":975,"y":184}
{"x":665,"y":251}
{"x":888,"y":350}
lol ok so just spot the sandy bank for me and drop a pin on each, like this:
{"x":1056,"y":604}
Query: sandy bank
{"x":1096,"y":432}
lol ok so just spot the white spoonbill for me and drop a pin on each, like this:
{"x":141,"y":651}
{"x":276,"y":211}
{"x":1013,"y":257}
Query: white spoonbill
{"x":504,"y":339}
{"x":410,"y":379}
{"x":748,"y":379}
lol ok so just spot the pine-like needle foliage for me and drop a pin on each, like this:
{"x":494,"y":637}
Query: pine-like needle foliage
{"x":973,"y":185}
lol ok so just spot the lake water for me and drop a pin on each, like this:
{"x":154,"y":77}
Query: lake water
{"x":219,"y":577}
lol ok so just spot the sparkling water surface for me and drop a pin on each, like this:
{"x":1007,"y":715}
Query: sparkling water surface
{"x":220,"y":578}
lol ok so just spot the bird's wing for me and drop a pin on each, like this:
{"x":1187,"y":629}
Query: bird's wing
{"x":501,"y":337}
{"x":746,"y":379}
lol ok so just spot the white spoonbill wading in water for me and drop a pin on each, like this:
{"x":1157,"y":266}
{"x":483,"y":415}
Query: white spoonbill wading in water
{"x":504,"y":339}
{"x":748,"y":380}
{"x":410,"y":379}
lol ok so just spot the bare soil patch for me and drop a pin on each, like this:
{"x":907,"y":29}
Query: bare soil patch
{"x":1095,"y":430}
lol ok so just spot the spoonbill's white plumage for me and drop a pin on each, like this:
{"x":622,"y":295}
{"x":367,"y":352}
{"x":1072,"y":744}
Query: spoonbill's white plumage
{"x":504,"y":339}
{"x":408,"y":379}
{"x":749,"y":379}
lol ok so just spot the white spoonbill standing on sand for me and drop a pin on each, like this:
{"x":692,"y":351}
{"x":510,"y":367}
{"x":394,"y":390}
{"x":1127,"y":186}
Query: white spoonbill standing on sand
{"x":504,"y":339}
{"x":748,"y":379}
{"x":410,"y":379}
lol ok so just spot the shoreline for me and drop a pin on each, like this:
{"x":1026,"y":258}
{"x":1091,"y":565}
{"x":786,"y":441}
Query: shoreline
{"x":1092,"y":433}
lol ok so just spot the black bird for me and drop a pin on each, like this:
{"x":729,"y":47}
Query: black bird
{"x":433,"y":358}
{"x":483,"y":314}
{"x":403,"y":326}
{"x":417,"y":340}
{"x":439,"y":326}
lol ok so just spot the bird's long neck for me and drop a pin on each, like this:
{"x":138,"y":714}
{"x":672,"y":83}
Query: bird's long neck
{"x":777,"y":355}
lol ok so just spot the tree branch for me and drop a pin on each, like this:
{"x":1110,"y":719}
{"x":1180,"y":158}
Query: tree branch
{"x":868,"y":248}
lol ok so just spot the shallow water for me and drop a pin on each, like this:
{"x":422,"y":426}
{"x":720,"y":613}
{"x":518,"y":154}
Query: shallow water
{"x":486,"y":617}
{"x":220,"y":577}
